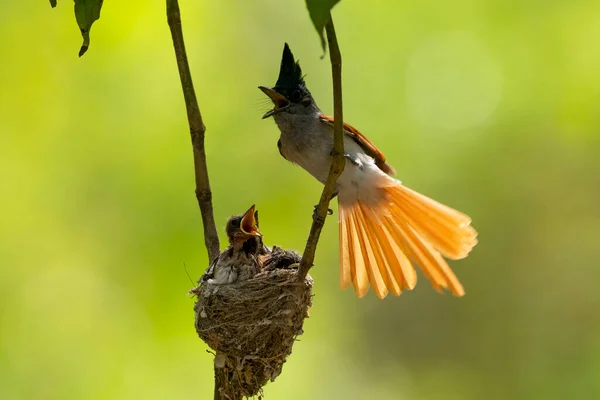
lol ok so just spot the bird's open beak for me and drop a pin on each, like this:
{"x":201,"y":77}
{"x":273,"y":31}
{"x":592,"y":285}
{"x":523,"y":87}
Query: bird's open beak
{"x":281,"y":103}
{"x":249,"y":224}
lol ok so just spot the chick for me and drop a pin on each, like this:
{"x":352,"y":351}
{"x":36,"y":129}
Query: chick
{"x":240,"y":260}
{"x":279,"y":258}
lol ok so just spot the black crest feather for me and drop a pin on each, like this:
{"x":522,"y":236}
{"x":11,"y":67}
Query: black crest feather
{"x":290,"y":73}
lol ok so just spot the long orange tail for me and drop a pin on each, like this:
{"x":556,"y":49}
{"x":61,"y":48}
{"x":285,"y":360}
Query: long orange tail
{"x":378,"y":243}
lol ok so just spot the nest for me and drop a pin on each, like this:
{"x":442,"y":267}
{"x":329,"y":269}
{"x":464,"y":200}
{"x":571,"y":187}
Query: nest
{"x":252,"y":324}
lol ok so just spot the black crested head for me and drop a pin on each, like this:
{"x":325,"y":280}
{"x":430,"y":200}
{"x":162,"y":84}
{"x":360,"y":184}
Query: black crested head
{"x":290,"y":75}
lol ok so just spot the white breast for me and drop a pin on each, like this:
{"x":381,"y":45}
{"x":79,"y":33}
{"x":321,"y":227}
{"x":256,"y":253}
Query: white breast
{"x":312,"y":152}
{"x":308,"y":142}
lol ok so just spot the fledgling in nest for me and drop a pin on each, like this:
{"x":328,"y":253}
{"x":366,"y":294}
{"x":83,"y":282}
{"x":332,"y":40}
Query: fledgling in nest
{"x":250,"y":308}
{"x":239,"y":261}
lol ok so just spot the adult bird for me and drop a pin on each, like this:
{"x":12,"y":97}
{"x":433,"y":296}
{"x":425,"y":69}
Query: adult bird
{"x":383,"y":225}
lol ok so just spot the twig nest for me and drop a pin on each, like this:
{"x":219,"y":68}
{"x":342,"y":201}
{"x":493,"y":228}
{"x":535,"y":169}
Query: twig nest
{"x":252,"y":324}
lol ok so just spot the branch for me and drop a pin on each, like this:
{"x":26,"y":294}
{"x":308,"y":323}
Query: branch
{"x":338,"y":162}
{"x":223,"y":389}
{"x":197,"y":129}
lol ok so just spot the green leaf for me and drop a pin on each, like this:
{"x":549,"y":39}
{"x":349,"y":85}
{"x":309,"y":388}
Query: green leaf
{"x":86,"y":12}
{"x":53,"y":3}
{"x":319,"y":11}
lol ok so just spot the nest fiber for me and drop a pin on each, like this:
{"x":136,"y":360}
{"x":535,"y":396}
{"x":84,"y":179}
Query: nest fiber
{"x":252,"y":326}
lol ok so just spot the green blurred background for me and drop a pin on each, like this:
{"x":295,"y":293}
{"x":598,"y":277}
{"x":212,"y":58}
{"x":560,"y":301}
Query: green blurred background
{"x":491,"y":107}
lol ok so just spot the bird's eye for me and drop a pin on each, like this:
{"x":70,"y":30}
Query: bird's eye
{"x":296,"y":96}
{"x":306,"y":101}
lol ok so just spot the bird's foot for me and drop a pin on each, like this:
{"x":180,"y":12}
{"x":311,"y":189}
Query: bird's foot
{"x":329,"y":210}
{"x":316,"y":215}
{"x":333,"y":153}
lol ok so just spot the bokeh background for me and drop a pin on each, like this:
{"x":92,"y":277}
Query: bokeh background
{"x":492,"y":107}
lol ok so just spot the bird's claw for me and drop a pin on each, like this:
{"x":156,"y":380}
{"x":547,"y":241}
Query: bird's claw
{"x":316,"y":215}
{"x":329,"y":210}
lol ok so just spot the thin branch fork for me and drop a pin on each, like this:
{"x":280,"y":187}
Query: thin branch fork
{"x":338,"y":162}
{"x":197,"y":129}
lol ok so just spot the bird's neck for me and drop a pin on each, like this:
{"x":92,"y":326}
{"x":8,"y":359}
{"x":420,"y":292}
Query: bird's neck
{"x":247,"y":246}
{"x":294,"y":125}
{"x":307,"y":141}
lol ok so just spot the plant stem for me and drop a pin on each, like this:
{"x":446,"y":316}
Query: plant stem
{"x":224,"y":389}
{"x":197,"y":130}
{"x":338,"y":162}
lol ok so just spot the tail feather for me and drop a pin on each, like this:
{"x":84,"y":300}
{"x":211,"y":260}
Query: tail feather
{"x":406,"y":268}
{"x":358,"y":271}
{"x":388,"y":258}
{"x":346,"y":255}
{"x":379,"y":242}
{"x":382,"y":278}
{"x":367,"y":248}
{"x":448,"y":230}
{"x":432,"y":264}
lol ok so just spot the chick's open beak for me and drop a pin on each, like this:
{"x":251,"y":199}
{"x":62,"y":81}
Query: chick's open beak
{"x":249,"y":224}
{"x":281,"y":103}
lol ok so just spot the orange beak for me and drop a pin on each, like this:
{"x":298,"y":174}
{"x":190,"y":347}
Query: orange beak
{"x":281,"y":103}
{"x":249,"y":224}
